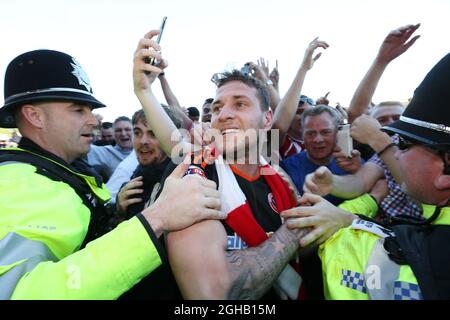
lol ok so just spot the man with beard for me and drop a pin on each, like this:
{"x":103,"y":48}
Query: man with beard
{"x":212,"y":260}
{"x":139,"y":193}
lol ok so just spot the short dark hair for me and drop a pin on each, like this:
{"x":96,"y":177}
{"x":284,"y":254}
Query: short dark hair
{"x":122,"y":118}
{"x":107,"y":125}
{"x":317,"y":110}
{"x":140,"y":116}
{"x":209,"y":100}
{"x":193,"y":112}
{"x":236,"y":75}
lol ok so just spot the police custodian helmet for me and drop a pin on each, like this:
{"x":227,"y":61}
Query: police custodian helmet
{"x":44,"y":75}
{"x":427,"y":117}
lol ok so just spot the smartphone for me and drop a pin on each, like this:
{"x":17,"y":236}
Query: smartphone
{"x":161,"y":29}
{"x":344,"y":140}
{"x":153,"y":61}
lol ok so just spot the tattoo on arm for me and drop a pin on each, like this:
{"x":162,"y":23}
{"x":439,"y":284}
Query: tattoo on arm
{"x":254,"y":270}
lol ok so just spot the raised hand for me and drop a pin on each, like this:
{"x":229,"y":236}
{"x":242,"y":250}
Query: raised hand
{"x":264,"y":65}
{"x":324,"y":100}
{"x":320,"y":215}
{"x":350,"y":164}
{"x":260,"y":70}
{"x":342,"y":112}
{"x":184,"y":201}
{"x":365,"y":129}
{"x":143,"y":72}
{"x":275,"y":76}
{"x":396,"y":43}
{"x":124,"y":199}
{"x":308,"y":59}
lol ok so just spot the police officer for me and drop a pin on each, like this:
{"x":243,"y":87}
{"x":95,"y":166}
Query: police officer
{"x":47,"y":197}
{"x":409,"y":260}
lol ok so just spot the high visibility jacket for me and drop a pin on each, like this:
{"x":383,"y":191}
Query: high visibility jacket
{"x":43,"y":223}
{"x":355,"y":264}
{"x":363,"y":205}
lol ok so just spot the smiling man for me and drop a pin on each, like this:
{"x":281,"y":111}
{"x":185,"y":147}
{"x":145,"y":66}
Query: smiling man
{"x":144,"y":184}
{"x":320,"y":126}
{"x":105,"y":159}
{"x":243,"y":257}
{"x":139,"y":193}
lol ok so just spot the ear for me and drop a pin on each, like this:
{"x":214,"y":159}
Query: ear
{"x":442,"y":182}
{"x":267,"y":119}
{"x":33,"y":115}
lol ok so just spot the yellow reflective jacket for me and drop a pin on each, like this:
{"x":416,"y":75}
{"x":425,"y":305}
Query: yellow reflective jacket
{"x":43,"y":223}
{"x":356,"y":266}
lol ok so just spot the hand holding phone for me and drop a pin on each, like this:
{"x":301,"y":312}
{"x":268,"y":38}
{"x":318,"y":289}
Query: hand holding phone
{"x":344,"y":140}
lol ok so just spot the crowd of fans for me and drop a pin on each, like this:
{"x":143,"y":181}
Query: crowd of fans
{"x":300,"y":221}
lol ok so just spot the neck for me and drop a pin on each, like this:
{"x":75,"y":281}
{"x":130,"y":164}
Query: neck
{"x":124,"y":148}
{"x":50,"y":147}
{"x":250,"y":170}
{"x":320,"y":162}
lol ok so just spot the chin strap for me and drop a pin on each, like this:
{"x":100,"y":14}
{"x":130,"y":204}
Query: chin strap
{"x":415,"y":221}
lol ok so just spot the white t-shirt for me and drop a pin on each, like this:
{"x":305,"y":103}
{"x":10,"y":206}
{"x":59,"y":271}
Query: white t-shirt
{"x":122,"y":175}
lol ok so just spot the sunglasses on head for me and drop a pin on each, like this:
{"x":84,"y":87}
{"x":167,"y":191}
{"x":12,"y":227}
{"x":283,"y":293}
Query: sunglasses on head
{"x":307,"y":100}
{"x":217,"y":78}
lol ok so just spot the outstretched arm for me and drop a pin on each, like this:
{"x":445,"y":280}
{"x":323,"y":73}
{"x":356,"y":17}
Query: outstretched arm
{"x":286,"y":109}
{"x":204,"y":269}
{"x":170,"y":97}
{"x":144,"y":74}
{"x":261,"y":72}
{"x":394,"y":45}
{"x":367,"y":130}
{"x":323,"y":182}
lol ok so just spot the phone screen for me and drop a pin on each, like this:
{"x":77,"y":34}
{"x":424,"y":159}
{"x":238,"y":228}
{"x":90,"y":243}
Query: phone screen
{"x":161,"y":29}
{"x":344,"y":140}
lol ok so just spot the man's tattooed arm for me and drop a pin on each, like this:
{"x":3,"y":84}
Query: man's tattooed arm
{"x":254,"y":270}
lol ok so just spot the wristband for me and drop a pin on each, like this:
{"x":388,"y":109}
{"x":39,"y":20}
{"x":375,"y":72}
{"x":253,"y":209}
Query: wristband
{"x":161,"y":74}
{"x":392,"y":144}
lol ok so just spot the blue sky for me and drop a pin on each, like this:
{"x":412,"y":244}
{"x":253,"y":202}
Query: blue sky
{"x":204,"y":37}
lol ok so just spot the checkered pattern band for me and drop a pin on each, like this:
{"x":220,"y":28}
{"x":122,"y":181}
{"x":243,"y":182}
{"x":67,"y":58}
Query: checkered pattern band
{"x":353,"y":280}
{"x":407,"y":291}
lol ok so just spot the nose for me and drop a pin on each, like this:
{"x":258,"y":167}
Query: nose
{"x":318,"y":138}
{"x":91,"y":119}
{"x":226,"y":113}
{"x":146,"y":139}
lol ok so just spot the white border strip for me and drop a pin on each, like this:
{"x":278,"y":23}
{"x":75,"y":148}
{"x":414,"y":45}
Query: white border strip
{"x":428,"y":125}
